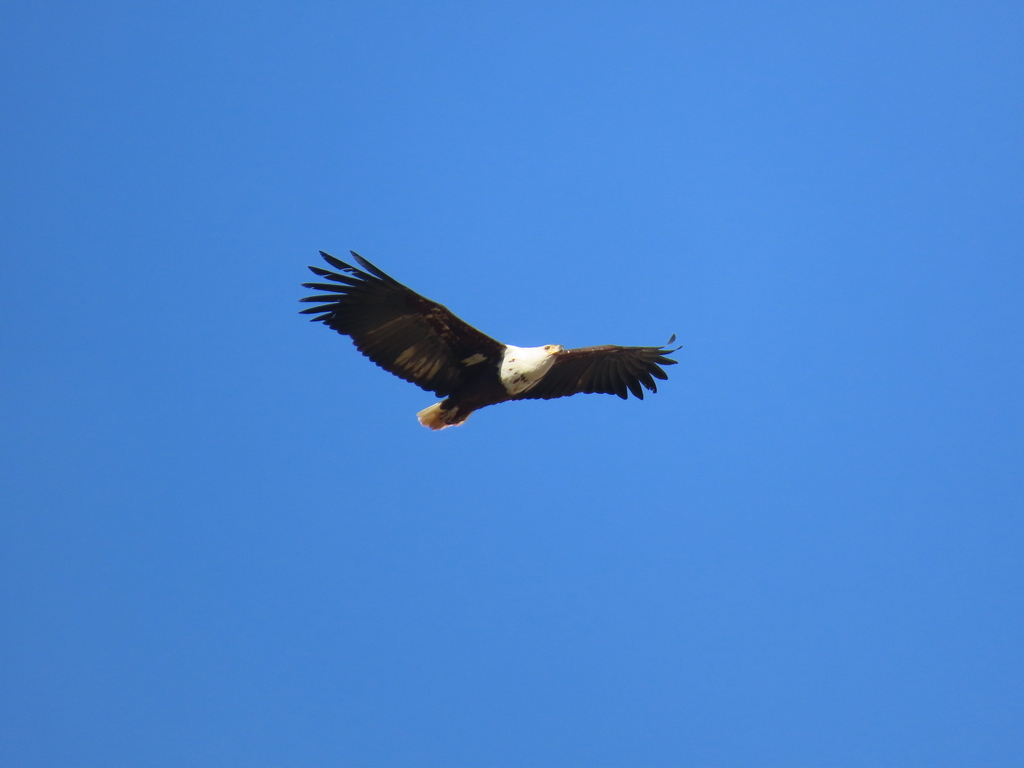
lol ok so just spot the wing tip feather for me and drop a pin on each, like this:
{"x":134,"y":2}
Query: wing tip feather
{"x":372,"y":269}
{"x":338,"y":263}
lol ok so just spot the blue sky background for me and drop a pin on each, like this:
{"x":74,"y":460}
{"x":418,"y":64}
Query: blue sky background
{"x":225,"y":539}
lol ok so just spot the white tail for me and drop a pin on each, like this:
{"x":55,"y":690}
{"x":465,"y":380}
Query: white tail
{"x":436,"y":417}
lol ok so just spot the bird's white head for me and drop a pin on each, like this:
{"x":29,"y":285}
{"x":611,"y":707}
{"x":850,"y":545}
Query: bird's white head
{"x":522,"y":367}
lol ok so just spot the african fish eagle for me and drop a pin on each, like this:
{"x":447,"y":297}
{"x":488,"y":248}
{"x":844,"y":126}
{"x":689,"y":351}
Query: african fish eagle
{"x":422,"y":342}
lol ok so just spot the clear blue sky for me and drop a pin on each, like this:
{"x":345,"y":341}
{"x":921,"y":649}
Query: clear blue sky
{"x":225,"y":540}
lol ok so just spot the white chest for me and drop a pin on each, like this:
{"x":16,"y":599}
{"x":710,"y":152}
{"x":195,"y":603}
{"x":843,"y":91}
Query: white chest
{"x":522,"y":367}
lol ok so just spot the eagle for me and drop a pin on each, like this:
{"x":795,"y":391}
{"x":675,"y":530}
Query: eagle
{"x":424,"y":343}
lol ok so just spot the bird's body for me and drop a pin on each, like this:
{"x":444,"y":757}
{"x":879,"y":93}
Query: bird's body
{"x":426,"y":344}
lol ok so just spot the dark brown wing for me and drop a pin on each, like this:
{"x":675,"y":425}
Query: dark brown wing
{"x":404,"y":333}
{"x":609,"y":370}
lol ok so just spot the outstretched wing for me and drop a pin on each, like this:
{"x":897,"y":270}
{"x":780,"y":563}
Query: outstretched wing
{"x":404,"y":333}
{"x":609,"y":370}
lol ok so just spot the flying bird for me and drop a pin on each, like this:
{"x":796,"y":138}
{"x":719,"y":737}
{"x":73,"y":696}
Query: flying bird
{"x":424,"y":343}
